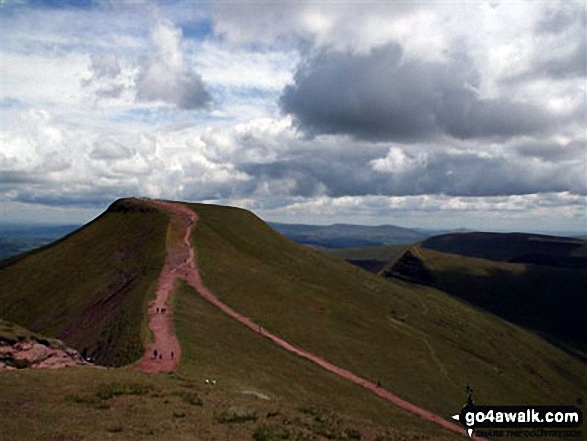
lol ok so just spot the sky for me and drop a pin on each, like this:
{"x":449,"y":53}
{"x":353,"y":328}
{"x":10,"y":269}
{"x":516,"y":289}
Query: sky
{"x":420,"y":114}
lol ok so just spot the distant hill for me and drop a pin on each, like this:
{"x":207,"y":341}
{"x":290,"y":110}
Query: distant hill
{"x":533,"y":280}
{"x":16,"y":239}
{"x":514,"y":247}
{"x":373,"y":258}
{"x":346,"y":235}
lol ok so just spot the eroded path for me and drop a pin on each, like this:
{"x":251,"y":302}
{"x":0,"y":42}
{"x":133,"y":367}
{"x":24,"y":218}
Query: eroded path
{"x":164,"y":352}
{"x":181,"y":263}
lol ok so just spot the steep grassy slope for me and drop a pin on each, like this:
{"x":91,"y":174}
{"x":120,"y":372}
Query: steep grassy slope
{"x":422,"y":344}
{"x":90,"y":289}
{"x":549,"y":299}
{"x":215,"y":346}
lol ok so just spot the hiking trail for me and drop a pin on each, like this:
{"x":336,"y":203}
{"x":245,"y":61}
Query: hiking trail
{"x":181,"y":264}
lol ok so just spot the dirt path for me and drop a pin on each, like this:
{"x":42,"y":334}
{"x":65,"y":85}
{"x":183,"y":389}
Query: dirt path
{"x":164,"y":353}
{"x":181,"y":263}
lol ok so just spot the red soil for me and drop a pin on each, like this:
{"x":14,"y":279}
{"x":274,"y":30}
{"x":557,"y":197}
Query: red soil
{"x":181,"y":263}
{"x":177,"y":265}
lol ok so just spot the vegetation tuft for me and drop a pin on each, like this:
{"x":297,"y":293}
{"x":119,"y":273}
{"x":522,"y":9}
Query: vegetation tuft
{"x":236,"y":415}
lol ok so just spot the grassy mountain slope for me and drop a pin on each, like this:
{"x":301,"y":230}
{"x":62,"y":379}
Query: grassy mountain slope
{"x":422,"y":344}
{"x":215,"y":346}
{"x":549,"y":299}
{"x":90,"y":288}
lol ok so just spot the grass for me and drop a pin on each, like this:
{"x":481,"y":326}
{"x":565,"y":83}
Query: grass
{"x":215,"y":346}
{"x":11,"y":333}
{"x":421,"y":343}
{"x":90,"y":289}
{"x":65,"y":405}
{"x":545,"y":298}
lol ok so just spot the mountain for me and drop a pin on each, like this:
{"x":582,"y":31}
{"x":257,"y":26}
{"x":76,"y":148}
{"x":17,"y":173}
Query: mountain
{"x":91,"y":289}
{"x":345,"y":235}
{"x":565,"y":252}
{"x":535,"y":281}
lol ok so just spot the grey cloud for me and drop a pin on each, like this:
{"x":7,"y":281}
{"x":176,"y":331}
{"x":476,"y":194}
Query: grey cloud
{"x":561,"y":44}
{"x":105,"y":79}
{"x":553,"y":152}
{"x":113,"y":91}
{"x":184,"y":89}
{"x":380,"y":96}
{"x":557,"y":19}
{"x":105,"y":65}
{"x":110,"y":151}
{"x":571,"y":65}
{"x":460,"y":173}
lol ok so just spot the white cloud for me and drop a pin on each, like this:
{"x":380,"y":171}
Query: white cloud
{"x":166,"y":77}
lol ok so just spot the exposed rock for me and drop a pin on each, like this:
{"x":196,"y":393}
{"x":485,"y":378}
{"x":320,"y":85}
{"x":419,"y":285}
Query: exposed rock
{"x":35,"y":355}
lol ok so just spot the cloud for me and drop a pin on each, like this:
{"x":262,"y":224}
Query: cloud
{"x":383,"y":96}
{"x":166,"y":77}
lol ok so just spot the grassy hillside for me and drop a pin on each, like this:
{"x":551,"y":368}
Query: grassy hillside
{"x":419,"y":342}
{"x":549,"y":299}
{"x":90,"y":288}
{"x":422,"y":344}
{"x":98,"y":404}
{"x":372,"y":259}
{"x":215,"y":346}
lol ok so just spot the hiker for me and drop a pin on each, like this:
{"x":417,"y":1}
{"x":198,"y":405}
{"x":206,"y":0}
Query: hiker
{"x":160,"y":356}
{"x":172,"y":355}
{"x":155,"y":354}
{"x":157,"y":310}
{"x":378,"y":384}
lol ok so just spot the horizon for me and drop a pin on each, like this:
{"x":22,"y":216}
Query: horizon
{"x":422,"y":115}
{"x":561,"y":233}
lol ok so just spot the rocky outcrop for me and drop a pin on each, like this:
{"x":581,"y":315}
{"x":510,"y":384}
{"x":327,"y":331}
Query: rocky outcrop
{"x":36,"y":355}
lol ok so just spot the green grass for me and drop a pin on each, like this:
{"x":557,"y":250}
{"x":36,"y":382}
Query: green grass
{"x":545,"y":298}
{"x":90,"y":289}
{"x":421,"y":343}
{"x":11,"y":333}
{"x":214,"y":346}
{"x":68,"y":404}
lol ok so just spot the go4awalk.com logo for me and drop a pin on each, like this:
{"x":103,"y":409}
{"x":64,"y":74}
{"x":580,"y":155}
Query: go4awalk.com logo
{"x":514,"y":421}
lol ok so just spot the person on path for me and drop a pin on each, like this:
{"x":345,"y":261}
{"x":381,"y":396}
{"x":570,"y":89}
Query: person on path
{"x":155,"y":354}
